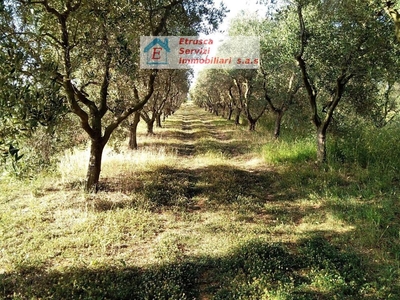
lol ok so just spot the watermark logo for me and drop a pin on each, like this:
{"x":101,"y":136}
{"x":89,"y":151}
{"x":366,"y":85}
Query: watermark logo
{"x":157,"y":52}
{"x":184,"y":52}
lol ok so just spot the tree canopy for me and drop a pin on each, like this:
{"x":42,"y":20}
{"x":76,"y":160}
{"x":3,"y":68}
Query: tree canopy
{"x":328,"y":58}
{"x":88,"y":52}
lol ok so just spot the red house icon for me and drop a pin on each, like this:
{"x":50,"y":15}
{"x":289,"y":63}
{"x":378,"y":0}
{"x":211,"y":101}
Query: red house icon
{"x":157,"y":52}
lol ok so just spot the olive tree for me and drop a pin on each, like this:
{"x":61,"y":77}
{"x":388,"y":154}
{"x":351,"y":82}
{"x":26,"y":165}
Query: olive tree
{"x":338,"y":46}
{"x":89,"y":47}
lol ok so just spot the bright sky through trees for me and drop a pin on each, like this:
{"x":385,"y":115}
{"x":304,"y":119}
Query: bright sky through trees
{"x":235,"y":7}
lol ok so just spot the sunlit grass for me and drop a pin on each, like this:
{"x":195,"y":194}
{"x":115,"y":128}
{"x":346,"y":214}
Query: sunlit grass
{"x":73,"y":165}
{"x":297,"y":151}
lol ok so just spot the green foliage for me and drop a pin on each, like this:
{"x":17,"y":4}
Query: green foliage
{"x":370,"y":148}
{"x":11,"y":157}
{"x":41,"y":149}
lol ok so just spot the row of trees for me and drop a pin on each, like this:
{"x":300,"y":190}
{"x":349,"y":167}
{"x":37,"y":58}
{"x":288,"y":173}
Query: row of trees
{"x":81,"y":57}
{"x":170,"y":91}
{"x":314,"y":55}
{"x":74,"y":64}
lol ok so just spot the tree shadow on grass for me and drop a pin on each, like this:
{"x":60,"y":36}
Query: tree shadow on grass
{"x":228,"y":148}
{"x":201,"y":143}
{"x":201,"y":137}
{"x":215,"y":185}
{"x":309,"y":269}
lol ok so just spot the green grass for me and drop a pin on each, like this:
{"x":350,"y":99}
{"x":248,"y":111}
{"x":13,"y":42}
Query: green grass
{"x":204,"y":210}
{"x":289,"y":151}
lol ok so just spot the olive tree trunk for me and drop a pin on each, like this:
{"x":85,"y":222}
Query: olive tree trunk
{"x":278,"y":122}
{"x":133,"y":131}
{"x":94,"y":168}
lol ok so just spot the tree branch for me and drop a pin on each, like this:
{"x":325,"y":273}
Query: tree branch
{"x":105,"y":84}
{"x":54,"y":38}
{"x":163,"y":21}
{"x":341,"y":82}
{"x":394,"y":14}
{"x":266,"y":94}
{"x":311,"y":91}
{"x":110,"y":128}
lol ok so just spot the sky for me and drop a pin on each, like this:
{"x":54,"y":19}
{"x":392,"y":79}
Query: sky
{"x":235,"y":6}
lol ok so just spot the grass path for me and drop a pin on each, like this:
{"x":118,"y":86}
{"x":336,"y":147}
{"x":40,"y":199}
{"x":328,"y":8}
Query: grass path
{"x":194,"y":214}
{"x":202,"y":133}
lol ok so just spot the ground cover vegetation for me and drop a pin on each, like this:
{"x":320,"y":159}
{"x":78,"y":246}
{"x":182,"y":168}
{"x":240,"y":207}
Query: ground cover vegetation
{"x":205,"y":210}
{"x":276,"y":183}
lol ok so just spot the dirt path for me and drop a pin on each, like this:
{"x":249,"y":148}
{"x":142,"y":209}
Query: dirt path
{"x":187,"y":137}
{"x":217,"y":161}
{"x":202,"y":133}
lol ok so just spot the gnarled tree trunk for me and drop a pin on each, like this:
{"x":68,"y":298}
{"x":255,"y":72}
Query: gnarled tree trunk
{"x":94,"y":168}
{"x":278,"y":122}
{"x":230,"y":112}
{"x":252,"y":125}
{"x":237,"y":117}
{"x":158,"y":120}
{"x":341,"y":81}
{"x":133,"y":131}
{"x":150,"y":126}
